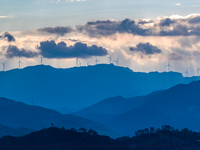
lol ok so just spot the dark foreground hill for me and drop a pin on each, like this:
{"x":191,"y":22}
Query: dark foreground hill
{"x":166,"y":138}
{"x":20,"y":115}
{"x":76,"y":88}
{"x":61,"y":139}
{"x":53,"y":138}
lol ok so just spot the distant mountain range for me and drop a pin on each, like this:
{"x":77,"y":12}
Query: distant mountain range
{"x":111,"y":107}
{"x":178,"y":106}
{"x":16,"y":116}
{"x":4,"y":130}
{"x":69,"y":90}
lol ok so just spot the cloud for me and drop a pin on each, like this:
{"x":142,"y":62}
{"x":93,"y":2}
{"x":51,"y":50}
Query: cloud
{"x":164,"y":26}
{"x":196,"y":53}
{"x":14,"y":51}
{"x":178,"y":4}
{"x":174,"y":56}
{"x":194,"y":20}
{"x":107,"y":27}
{"x":50,"y":49}
{"x":146,"y":48}
{"x":4,"y":17}
{"x":56,"y":30}
{"x":166,"y":22}
{"x":8,"y":37}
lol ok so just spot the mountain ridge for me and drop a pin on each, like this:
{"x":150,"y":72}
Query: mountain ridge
{"x":79,"y":87}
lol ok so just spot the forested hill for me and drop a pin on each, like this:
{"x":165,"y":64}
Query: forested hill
{"x":166,"y":138}
{"x":61,"y":139}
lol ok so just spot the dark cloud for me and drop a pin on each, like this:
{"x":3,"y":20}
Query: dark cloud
{"x":8,"y":37}
{"x":189,"y":26}
{"x":146,"y":48}
{"x":177,"y":56}
{"x":196,"y":53}
{"x":106,"y":28}
{"x":174,"y":56}
{"x":181,"y":30}
{"x":56,"y":30}
{"x":14,"y":51}
{"x":166,"y":22}
{"x":194,"y":20}
{"x":50,"y":49}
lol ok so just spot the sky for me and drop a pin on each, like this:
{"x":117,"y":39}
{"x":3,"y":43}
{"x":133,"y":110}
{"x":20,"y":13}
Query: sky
{"x":143,"y":35}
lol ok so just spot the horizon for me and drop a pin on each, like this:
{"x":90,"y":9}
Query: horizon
{"x":144,"y":35}
{"x":183,"y":74}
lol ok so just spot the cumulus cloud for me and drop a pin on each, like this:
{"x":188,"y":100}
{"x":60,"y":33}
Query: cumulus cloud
{"x":166,"y":22}
{"x":146,"y":48}
{"x":14,"y":51}
{"x":164,"y":26}
{"x":105,"y":28}
{"x":50,"y":49}
{"x":194,"y":19}
{"x":56,"y":30}
{"x":8,"y":37}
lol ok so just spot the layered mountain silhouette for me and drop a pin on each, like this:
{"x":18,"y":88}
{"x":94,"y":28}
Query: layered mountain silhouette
{"x":178,"y":106}
{"x":4,"y":130}
{"x":76,"y":88}
{"x":111,"y":107}
{"x":20,"y":115}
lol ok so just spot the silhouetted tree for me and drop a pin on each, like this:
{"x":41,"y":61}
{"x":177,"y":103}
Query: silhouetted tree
{"x":82,"y":130}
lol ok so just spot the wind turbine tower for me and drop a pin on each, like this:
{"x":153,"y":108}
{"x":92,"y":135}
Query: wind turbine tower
{"x":198,"y":71}
{"x":77,"y":61}
{"x":186,"y":73}
{"x":41,"y":60}
{"x":96,"y":61}
{"x":168,"y":66}
{"x":4,"y":66}
{"x":88,"y":63}
{"x":19,"y":62}
{"x":110,"y":59}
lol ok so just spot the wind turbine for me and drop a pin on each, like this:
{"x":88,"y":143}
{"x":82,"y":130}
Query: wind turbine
{"x":117,"y":61}
{"x":168,"y":66}
{"x":4,"y":65}
{"x":198,"y":71}
{"x":186,"y":72}
{"x":77,"y":61}
{"x":41,"y":59}
{"x":110,"y":59}
{"x":96,"y":61}
{"x":88,"y":63}
{"x":19,"y":62}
